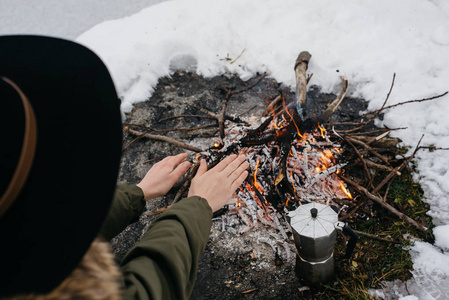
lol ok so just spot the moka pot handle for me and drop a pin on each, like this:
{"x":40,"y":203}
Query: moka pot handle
{"x":353,"y":238}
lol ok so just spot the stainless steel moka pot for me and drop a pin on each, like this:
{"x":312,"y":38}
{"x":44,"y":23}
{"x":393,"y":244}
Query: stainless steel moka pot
{"x":314,"y":230}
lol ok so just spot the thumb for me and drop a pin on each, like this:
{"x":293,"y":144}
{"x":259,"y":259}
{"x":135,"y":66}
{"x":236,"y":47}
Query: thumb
{"x":202,"y":168}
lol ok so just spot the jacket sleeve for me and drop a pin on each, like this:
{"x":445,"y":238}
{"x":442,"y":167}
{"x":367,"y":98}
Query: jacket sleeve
{"x":127,"y":206}
{"x":164,"y":263}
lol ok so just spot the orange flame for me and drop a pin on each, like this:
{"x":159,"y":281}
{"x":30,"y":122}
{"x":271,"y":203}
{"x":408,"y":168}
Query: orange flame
{"x":256,"y":184}
{"x":322,"y":130}
{"x":286,"y":110}
{"x":293,"y":182}
{"x":345,"y":190}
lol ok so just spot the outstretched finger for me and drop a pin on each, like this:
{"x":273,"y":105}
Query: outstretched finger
{"x":236,"y":173}
{"x":177,"y":159}
{"x":234,"y":165}
{"x":224,"y":163}
{"x":180,"y":170}
{"x":236,"y":183}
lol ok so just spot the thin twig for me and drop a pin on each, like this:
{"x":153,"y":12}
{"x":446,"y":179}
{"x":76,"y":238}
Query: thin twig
{"x":186,"y":184}
{"x":397,"y":169}
{"x":367,"y":133}
{"x":353,"y":211}
{"x":247,"y":111}
{"x":135,"y":139}
{"x":368,"y":176}
{"x":164,"y":139}
{"x":153,"y":159}
{"x":334,"y":105}
{"x":432,"y":148}
{"x":371,"y":150}
{"x":250,"y":291}
{"x":384,"y":204}
{"x":185,"y":116}
{"x":229,"y":93}
{"x":250,"y":87}
{"x":184,"y":128}
{"x":238,"y":56}
{"x":405,"y":102}
{"x":149,"y":128}
{"x":270,"y":107}
{"x":159,"y":211}
{"x":211,"y":114}
{"x":376,"y":237}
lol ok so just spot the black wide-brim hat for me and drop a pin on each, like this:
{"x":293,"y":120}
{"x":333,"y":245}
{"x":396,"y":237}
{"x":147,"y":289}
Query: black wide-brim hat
{"x":66,"y":190}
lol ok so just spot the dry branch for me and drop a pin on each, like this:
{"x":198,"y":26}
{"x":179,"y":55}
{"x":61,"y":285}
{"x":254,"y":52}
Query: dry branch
{"x":399,"y":168}
{"x":334,"y":105}
{"x":135,"y":139}
{"x":221,"y":115}
{"x":376,"y":237}
{"x":301,"y":65}
{"x":386,"y":142}
{"x":272,"y":105}
{"x":380,"y":167}
{"x":185,"y":116}
{"x":365,"y":168}
{"x":164,"y":139}
{"x":367,"y":147}
{"x":186,"y":183}
{"x":402,"y":103}
{"x":384,"y":204}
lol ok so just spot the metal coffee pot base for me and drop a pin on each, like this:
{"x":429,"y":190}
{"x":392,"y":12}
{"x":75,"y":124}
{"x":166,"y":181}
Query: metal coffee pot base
{"x":315,"y":272}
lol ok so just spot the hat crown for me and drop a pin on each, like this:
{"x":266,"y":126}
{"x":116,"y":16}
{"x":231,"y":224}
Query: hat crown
{"x":70,"y":186}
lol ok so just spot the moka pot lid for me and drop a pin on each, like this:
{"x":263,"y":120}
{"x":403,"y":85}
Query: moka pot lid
{"x":313,"y":220}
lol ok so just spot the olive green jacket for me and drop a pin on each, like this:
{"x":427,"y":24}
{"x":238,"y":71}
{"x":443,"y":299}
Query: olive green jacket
{"x":164,"y":263}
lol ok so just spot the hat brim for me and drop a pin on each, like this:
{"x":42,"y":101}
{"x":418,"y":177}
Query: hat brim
{"x":50,"y":226}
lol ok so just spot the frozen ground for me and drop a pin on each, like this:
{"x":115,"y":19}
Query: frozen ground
{"x":368,"y":41}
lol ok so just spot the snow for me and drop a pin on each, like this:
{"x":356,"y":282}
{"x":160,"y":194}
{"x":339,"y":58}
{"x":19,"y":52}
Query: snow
{"x":369,"y":41}
{"x":442,"y":237}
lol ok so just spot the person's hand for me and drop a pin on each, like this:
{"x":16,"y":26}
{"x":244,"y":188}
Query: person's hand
{"x":163,"y":175}
{"x":219,"y":183}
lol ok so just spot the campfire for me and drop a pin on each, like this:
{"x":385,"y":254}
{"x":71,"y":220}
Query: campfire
{"x":297,"y":156}
{"x":287,"y":170}
{"x":293,"y":161}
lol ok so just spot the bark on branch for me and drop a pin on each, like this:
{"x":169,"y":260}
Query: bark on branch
{"x":384,"y":204}
{"x":164,"y":139}
{"x":333,"y":106}
{"x":302,"y":62}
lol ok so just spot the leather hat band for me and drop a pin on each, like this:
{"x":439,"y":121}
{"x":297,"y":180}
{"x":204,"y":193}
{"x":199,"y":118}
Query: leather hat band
{"x":26,"y":157}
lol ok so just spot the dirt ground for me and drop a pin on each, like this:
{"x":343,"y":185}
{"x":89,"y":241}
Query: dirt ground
{"x":234,"y":266}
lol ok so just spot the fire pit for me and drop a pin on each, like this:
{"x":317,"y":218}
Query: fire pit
{"x":296,"y":157}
